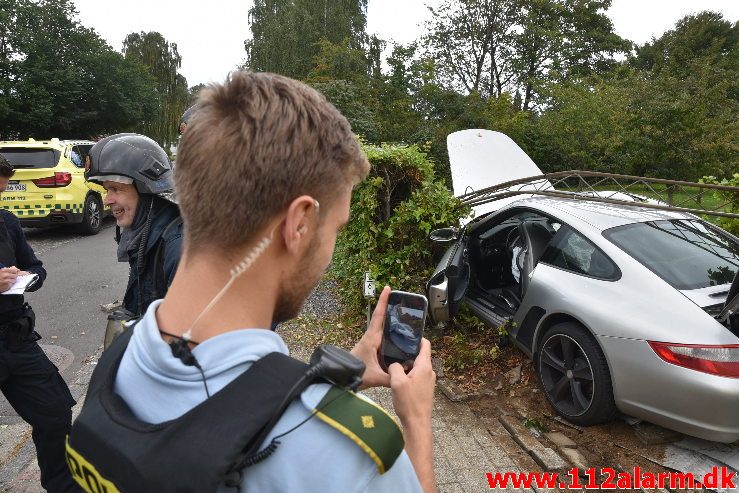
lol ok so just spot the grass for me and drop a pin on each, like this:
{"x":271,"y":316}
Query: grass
{"x":686,"y":197}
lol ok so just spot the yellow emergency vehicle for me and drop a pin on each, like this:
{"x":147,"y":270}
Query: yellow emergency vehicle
{"x":49,"y":185}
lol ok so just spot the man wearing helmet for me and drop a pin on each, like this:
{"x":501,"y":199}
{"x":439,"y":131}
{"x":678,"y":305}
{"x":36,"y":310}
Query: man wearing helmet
{"x":186,"y":119}
{"x":137,"y":176}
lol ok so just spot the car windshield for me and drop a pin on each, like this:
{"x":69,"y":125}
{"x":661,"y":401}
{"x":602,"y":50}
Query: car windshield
{"x":23,"y":157}
{"x":688,"y":254}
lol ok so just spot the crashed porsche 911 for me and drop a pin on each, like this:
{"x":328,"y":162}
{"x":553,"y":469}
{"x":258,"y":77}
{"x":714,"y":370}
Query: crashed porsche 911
{"x":622,"y":308}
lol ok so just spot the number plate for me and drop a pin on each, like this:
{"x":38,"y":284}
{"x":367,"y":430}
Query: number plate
{"x":16,"y":187}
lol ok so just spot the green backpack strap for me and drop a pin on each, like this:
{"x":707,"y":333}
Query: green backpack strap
{"x":364,"y":423}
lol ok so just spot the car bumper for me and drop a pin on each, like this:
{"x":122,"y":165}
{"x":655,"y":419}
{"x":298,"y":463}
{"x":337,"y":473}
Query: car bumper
{"x":689,"y":401}
{"x":53,"y":218}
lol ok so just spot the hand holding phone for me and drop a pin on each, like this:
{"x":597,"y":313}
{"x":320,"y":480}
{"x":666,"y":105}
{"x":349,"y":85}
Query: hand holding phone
{"x":404,"y":322}
{"x":368,"y":347}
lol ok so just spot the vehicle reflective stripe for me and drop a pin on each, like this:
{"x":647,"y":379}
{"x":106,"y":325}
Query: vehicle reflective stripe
{"x":43,"y":209}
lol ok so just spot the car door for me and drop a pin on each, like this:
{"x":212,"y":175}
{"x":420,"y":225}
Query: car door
{"x":535,"y":236}
{"x":446,"y":288}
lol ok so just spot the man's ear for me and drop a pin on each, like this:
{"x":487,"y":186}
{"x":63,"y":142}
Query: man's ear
{"x":300,"y":219}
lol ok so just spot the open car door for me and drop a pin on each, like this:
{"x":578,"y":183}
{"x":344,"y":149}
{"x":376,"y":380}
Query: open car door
{"x":479,"y":159}
{"x":446,"y":288}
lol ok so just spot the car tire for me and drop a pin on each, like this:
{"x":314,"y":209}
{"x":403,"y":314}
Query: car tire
{"x":574,"y":375}
{"x":92,"y":218}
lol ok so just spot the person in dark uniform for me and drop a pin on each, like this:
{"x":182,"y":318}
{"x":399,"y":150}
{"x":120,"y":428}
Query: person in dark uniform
{"x":138,"y":178}
{"x":30,"y":382}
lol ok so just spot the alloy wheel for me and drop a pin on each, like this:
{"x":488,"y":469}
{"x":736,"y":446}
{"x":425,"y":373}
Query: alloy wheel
{"x":566,"y":375}
{"x":93,"y":214}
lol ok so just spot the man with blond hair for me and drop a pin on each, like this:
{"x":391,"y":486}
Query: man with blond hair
{"x":280,"y":162}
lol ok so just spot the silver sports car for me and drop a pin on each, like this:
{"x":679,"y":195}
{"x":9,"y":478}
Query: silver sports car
{"x":617,"y":305}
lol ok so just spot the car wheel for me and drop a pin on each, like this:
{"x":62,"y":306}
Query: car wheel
{"x":92,"y":220}
{"x":574,"y":374}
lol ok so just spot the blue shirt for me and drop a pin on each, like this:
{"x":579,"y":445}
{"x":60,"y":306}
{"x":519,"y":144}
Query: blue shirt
{"x":315,"y":457}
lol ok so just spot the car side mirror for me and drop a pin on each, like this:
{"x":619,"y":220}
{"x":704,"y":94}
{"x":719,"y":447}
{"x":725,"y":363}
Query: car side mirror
{"x":444,"y":234}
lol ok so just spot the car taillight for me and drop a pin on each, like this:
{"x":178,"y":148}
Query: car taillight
{"x":60,"y":179}
{"x":716,"y":360}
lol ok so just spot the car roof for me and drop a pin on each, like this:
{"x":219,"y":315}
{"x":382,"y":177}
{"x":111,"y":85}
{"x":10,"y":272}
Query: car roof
{"x":600,"y":215}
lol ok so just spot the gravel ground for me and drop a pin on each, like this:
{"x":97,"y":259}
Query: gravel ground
{"x":320,"y":322}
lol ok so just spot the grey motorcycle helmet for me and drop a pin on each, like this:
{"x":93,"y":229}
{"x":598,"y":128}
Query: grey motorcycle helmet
{"x":186,"y":118}
{"x":133,"y":156}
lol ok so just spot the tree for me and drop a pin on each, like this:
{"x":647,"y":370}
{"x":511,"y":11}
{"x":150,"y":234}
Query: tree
{"x":497,"y":46}
{"x":162,"y":61}
{"x":193,"y":94}
{"x":587,"y":125}
{"x":688,"y":127}
{"x":471,"y":42}
{"x":686,"y":99}
{"x":286,"y":34}
{"x":706,"y":35}
{"x":60,"y":79}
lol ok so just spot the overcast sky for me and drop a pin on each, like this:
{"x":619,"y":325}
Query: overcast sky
{"x":210,"y":35}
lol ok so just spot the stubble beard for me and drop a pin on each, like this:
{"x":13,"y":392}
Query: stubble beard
{"x":294,"y":291}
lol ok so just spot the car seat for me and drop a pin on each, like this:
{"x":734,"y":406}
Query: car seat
{"x":536,"y":237}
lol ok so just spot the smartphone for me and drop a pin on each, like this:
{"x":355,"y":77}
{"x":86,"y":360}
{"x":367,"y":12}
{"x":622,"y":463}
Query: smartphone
{"x":404,"y":322}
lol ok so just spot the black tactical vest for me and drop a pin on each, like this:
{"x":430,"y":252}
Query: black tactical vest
{"x":109,"y":450}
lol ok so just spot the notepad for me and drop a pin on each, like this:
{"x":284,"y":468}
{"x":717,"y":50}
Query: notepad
{"x":21,"y":283}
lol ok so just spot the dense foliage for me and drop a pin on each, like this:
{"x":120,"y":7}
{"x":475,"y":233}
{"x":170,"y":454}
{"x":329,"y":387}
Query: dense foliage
{"x":552,"y":74}
{"x":393,"y":211}
{"x":60,"y":79}
{"x":162,"y":61}
{"x":285,"y":33}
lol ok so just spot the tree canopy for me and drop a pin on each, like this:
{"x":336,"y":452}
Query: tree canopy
{"x":60,"y":79}
{"x":286,"y":34}
{"x":162,"y":61}
{"x":552,"y":74}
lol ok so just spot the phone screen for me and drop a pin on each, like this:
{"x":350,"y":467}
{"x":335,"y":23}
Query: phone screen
{"x":404,"y":322}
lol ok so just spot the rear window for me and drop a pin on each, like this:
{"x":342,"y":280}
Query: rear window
{"x":688,"y":254}
{"x":21,"y":157}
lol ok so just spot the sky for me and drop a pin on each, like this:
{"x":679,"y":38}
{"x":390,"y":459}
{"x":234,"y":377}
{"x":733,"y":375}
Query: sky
{"x":210,"y":35}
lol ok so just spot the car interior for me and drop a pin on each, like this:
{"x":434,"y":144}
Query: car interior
{"x":503,"y":255}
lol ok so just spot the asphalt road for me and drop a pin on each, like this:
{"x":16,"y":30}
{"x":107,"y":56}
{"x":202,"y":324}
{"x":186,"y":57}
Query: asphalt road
{"x":82,"y":274}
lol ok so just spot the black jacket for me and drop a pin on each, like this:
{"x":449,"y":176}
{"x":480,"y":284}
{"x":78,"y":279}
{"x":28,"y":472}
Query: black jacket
{"x":19,"y":254}
{"x":161,"y":257}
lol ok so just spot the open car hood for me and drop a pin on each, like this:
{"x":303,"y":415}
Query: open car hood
{"x":484,"y":158}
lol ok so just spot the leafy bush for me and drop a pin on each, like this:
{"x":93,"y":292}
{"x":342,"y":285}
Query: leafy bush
{"x":729,"y":224}
{"x":393,"y":212}
{"x":467,"y":343}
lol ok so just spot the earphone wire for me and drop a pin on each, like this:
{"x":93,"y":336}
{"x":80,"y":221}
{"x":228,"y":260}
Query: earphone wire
{"x":267,"y":451}
{"x":235,"y":272}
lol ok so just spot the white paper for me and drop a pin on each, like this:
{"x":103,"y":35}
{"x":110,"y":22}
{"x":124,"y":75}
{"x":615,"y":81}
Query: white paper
{"x":20,"y":284}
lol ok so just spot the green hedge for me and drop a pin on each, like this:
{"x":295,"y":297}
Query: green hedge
{"x":393,"y":211}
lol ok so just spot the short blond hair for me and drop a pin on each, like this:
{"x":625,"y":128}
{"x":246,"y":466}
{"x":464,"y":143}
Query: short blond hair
{"x":256,"y":143}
